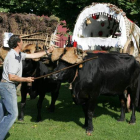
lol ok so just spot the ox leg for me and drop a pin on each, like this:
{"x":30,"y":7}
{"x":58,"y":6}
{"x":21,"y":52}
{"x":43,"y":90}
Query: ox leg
{"x":133,"y":117}
{"x":23,"y":101}
{"x":84,"y":106}
{"x":54,"y":96}
{"x":88,"y":109}
{"x":39,"y":106}
{"x":139,"y":104}
{"x":123,"y":107}
{"x":88,"y":119}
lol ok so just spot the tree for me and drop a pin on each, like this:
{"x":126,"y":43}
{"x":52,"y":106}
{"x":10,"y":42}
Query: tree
{"x":68,"y":9}
{"x":37,"y":7}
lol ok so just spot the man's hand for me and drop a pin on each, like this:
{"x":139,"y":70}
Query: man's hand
{"x":39,"y":54}
{"x":16,"y":78}
{"x":29,"y":79}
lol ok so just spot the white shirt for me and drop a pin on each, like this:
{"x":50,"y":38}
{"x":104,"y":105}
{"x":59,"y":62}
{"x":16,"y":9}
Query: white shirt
{"x":13,"y":64}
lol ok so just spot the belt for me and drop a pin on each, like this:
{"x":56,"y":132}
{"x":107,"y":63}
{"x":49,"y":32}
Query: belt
{"x":3,"y":81}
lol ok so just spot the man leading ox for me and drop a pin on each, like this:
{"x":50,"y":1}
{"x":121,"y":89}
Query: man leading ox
{"x":12,"y":72}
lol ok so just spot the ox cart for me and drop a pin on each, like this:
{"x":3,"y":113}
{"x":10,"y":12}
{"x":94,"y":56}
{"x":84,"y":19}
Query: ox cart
{"x":106,"y":27}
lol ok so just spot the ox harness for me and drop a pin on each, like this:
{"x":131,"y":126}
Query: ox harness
{"x":67,"y":68}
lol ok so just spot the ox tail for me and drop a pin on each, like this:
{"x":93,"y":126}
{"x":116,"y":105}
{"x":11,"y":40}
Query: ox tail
{"x":138,"y":93}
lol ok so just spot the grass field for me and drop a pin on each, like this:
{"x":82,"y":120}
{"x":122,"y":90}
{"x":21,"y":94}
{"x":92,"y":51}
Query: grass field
{"x":67,"y":121}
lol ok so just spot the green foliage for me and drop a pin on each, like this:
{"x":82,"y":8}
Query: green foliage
{"x":4,"y":10}
{"x":132,"y":9}
{"x":68,"y":9}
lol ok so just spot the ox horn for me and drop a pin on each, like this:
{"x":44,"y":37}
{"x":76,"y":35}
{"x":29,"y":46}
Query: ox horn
{"x":81,"y":53}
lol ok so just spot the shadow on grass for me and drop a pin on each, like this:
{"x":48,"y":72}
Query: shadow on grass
{"x":67,"y":111}
{"x":7,"y":136}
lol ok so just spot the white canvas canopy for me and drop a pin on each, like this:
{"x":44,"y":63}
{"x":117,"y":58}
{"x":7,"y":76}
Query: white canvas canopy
{"x":105,"y":25}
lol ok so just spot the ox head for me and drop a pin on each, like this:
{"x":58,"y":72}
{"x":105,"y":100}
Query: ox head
{"x":67,"y":56}
{"x":71,"y":55}
{"x":34,"y":48}
{"x":65,"y":75}
{"x":31,"y":65}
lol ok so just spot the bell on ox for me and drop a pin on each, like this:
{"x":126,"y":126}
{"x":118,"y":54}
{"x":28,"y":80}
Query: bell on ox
{"x":81,"y":65}
{"x":70,"y":87}
{"x":29,"y":84}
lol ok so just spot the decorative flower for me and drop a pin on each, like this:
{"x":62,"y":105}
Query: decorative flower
{"x":93,"y":16}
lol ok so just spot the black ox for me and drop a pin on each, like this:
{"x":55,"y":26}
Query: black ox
{"x":108,"y":74}
{"x":39,"y":87}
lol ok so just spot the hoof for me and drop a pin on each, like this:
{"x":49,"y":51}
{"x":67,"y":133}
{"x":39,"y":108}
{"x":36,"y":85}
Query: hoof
{"x":132,"y":123}
{"x":21,"y":120}
{"x":89,"y":133}
{"x":120,"y":120}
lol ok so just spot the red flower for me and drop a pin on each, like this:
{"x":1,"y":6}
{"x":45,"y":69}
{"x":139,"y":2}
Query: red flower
{"x":93,"y":16}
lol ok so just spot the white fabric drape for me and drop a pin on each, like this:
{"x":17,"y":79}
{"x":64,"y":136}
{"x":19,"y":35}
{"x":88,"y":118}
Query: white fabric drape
{"x":85,"y":42}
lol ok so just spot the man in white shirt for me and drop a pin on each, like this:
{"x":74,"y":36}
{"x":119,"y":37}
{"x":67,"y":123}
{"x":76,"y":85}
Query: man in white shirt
{"x":12,"y":73}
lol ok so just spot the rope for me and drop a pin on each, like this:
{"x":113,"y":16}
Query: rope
{"x":65,"y":68}
{"x":76,"y":74}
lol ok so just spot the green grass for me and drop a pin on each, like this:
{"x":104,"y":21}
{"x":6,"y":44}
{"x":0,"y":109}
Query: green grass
{"x":67,"y":121}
